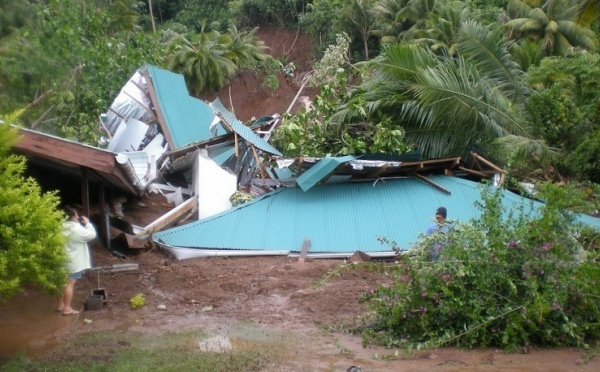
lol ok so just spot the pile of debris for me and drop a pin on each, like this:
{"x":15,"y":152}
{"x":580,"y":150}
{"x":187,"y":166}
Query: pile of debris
{"x":233,"y":193}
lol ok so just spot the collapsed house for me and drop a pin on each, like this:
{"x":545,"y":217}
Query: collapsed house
{"x":157,"y":138}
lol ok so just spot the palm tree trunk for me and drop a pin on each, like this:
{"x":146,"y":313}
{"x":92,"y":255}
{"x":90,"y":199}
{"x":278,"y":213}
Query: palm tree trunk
{"x":151,"y":16}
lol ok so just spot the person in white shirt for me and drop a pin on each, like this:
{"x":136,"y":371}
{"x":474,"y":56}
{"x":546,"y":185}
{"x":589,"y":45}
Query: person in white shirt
{"x":79,"y":232}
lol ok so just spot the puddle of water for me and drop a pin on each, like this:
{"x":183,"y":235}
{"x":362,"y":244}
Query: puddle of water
{"x":29,"y":323}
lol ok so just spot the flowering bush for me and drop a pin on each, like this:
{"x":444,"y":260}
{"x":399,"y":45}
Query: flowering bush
{"x":510,"y":282}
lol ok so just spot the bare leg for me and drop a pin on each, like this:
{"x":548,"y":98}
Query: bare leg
{"x":68,"y":296}
{"x":60,"y":305}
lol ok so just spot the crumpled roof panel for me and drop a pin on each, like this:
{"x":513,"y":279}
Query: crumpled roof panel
{"x":187,"y":118}
{"x":244,"y":131}
{"x":336,"y":218}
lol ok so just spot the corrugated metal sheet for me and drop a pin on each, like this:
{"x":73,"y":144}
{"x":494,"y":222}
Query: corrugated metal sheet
{"x":320,"y":170}
{"x":128,"y":136}
{"x":244,"y":131}
{"x":132,"y":101}
{"x":337,"y":218}
{"x":188,"y":119}
{"x":155,"y":147}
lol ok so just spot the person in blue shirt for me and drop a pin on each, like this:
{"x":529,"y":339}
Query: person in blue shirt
{"x":440,"y":225}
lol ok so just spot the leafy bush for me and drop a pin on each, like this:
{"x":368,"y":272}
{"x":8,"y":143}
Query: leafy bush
{"x":510,"y":282}
{"x":31,"y":233}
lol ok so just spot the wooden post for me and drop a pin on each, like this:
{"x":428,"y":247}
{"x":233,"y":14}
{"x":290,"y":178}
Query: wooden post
{"x":104,"y":216}
{"x":304,"y":251}
{"x":85,"y":192}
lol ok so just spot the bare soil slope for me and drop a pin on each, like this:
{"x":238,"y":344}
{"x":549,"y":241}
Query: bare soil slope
{"x":248,"y":98}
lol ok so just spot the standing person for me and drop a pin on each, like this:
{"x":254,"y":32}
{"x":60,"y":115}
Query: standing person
{"x":440,"y":221}
{"x":79,"y":232}
{"x":440,"y":225}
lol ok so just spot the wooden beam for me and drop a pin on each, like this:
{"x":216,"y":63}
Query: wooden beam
{"x":170,"y":217}
{"x":58,"y":149}
{"x":473,"y":171}
{"x":104,"y":216}
{"x":427,"y":180}
{"x":488,"y":163}
{"x":259,"y":164}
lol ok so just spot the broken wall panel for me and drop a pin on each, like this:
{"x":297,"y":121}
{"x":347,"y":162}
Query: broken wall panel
{"x":129,"y":136}
{"x":132,"y":101}
{"x":213,"y":185}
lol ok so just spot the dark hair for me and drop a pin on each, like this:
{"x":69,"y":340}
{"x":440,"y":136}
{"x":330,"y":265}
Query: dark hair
{"x":70,"y":211}
{"x":442,"y":211}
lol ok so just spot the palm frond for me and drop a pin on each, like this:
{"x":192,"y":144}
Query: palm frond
{"x":535,"y":150}
{"x":577,"y":35}
{"x":488,"y":50}
{"x":518,"y":9}
{"x":459,"y":105}
{"x":587,"y":12}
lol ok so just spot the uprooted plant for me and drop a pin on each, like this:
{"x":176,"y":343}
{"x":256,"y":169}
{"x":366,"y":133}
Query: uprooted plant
{"x":507,"y":279}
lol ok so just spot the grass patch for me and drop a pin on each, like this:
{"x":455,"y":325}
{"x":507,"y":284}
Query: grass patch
{"x":158,"y":352}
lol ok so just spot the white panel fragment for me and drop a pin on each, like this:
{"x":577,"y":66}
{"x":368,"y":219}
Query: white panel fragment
{"x":213,"y":186}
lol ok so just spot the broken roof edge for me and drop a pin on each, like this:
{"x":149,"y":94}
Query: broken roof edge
{"x":184,"y":253}
{"x":241,"y":129}
{"x":102,"y":162}
{"x":320,"y":170}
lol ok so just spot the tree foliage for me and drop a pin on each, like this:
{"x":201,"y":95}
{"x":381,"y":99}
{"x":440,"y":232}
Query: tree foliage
{"x":311,"y":132}
{"x":509,"y":280}
{"x":565,"y":103}
{"x":67,"y":66}
{"x":31,"y":238}
{"x":213,"y":57}
{"x":445,"y":104}
{"x":551,"y":24}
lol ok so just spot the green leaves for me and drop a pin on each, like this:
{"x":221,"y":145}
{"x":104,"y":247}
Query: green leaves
{"x":31,"y":238}
{"x":507,"y":280}
{"x":213,"y":58}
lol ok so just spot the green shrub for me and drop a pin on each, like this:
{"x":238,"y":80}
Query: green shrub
{"x":510,"y":282}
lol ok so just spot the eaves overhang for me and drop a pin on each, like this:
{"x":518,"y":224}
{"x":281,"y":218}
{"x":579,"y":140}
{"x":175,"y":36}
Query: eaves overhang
{"x":72,"y":157}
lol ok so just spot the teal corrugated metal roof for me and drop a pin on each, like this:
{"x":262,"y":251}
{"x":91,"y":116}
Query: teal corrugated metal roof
{"x":337,"y":218}
{"x":188,"y":119}
{"x":241,"y":129}
{"x":320,"y":170}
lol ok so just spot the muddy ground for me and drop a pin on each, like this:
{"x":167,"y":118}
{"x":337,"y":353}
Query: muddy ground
{"x":278,"y":295}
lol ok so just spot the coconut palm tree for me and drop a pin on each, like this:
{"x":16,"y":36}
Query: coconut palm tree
{"x":205,"y":64}
{"x":123,"y":16}
{"x":551,"y":25}
{"x":244,"y":47}
{"x":447,"y":104}
{"x":210,"y":62}
{"x":358,"y":15}
{"x":388,"y":26}
{"x":440,"y":28}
